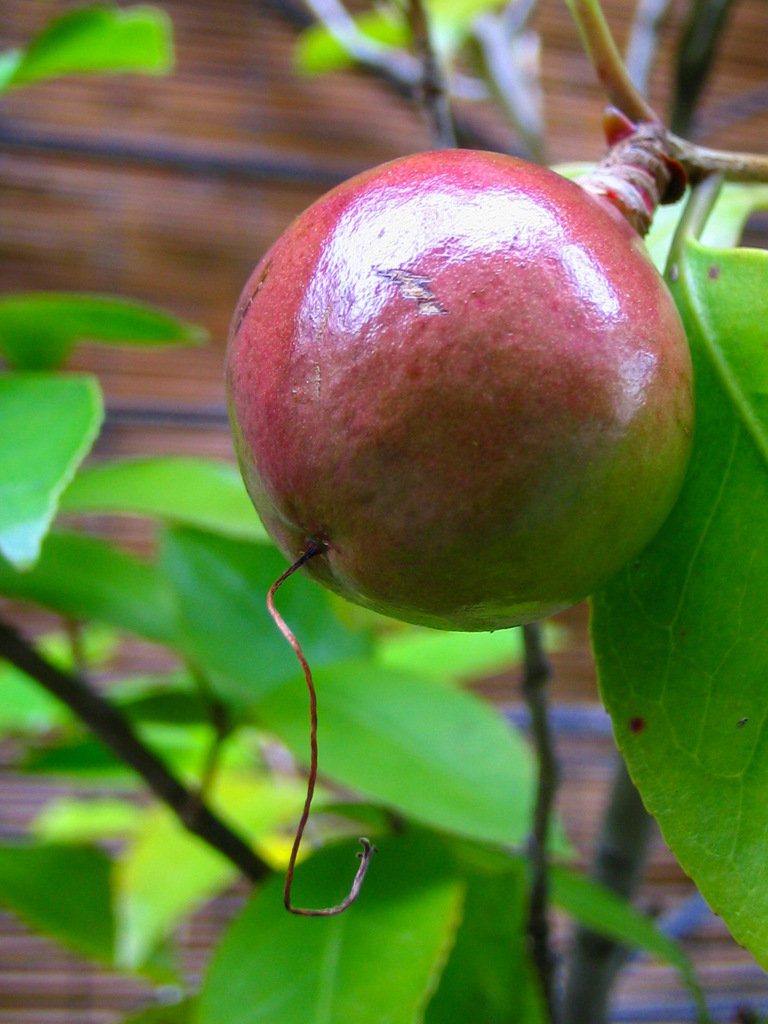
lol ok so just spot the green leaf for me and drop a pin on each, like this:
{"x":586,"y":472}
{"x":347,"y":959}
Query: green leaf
{"x":724,"y":226}
{"x":206,"y":493}
{"x":25,"y":706}
{"x":150,"y":900}
{"x":179,"y":1013}
{"x":451,"y":20}
{"x":47,"y":427}
{"x":317,"y":51}
{"x":377,"y":962}
{"x":680,"y":634}
{"x":436,"y":753}
{"x":62,"y":890}
{"x":38,"y":330}
{"x":87,"y":578}
{"x":71,"y":820}
{"x":222,"y":587}
{"x":9,"y":65}
{"x":457,"y":655}
{"x":100,"y":38}
{"x":488,"y":978}
{"x":601,"y":910}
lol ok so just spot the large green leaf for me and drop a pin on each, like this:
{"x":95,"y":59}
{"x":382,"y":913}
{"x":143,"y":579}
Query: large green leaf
{"x":378,"y":962}
{"x":63,"y":890}
{"x":86,"y":578}
{"x":98,"y":38}
{"x":222,"y":587}
{"x":681,"y":635}
{"x":488,"y":978}
{"x":207,"y":493}
{"x":178,"y":1013}
{"x":38,"y":330}
{"x":432,"y":751}
{"x":47,"y":427}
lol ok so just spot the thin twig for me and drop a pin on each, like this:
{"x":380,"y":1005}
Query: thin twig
{"x":433,"y":90}
{"x":622,"y":850}
{"x":107,"y":723}
{"x":696,"y":54}
{"x":219,"y":719}
{"x":537,"y":672}
{"x":311,"y":551}
{"x":606,"y":60}
{"x":643,"y":41}
{"x":511,"y":57}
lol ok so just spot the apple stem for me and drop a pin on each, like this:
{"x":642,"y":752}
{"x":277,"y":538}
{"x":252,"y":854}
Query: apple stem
{"x":311,"y":550}
{"x":638,"y":172}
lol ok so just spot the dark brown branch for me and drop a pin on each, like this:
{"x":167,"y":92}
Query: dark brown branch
{"x":106,"y":722}
{"x":537,"y":673}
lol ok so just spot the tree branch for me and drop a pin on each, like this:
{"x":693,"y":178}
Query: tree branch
{"x":621,"y":854}
{"x":537,"y":673}
{"x":432,"y":88}
{"x":106,"y":722}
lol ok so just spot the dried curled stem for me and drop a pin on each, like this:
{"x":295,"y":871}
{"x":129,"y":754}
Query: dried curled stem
{"x":368,"y":850}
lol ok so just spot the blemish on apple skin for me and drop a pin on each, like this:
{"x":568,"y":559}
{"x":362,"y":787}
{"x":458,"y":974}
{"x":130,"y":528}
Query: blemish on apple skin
{"x":741,"y":723}
{"x":714,"y":272}
{"x":416,"y":287}
{"x":317,"y":382}
{"x":637,"y":725}
{"x":247,"y":305}
{"x":323,"y":323}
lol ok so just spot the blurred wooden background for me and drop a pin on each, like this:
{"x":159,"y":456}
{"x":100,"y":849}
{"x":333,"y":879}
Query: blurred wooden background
{"x":169,"y":190}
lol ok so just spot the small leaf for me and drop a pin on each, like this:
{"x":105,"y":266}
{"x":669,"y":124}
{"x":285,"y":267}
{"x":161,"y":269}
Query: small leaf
{"x":436,"y":753}
{"x":318,"y":51}
{"x":451,"y":20}
{"x":38,"y":330}
{"x":680,"y":634}
{"x":71,"y":820}
{"x":116,"y":588}
{"x":206,"y":493}
{"x":100,"y":38}
{"x":62,"y":890}
{"x":377,"y":962}
{"x":222,"y":587}
{"x":488,"y":978}
{"x":47,"y":427}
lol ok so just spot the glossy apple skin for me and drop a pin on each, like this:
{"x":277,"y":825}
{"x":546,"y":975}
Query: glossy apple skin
{"x":462,"y":376}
